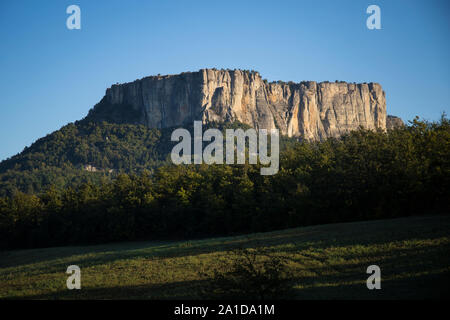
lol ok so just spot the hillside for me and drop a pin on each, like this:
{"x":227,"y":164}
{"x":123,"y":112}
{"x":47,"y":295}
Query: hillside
{"x":82,"y":152}
{"x":326,"y":262}
{"x":362,"y":175}
{"x":87,"y":151}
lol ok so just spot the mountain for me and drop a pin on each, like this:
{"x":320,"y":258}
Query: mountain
{"x":129,"y":129}
{"x":308,"y":109}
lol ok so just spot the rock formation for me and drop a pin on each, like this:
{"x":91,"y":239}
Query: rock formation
{"x":307,"y":109}
{"x":393,"y":122}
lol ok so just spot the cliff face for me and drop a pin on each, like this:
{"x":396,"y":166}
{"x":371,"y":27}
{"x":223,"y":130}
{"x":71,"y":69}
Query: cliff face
{"x":307,"y":109}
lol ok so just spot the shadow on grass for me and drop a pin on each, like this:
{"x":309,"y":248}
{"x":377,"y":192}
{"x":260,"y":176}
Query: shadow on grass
{"x":109,"y":251}
{"x":343,"y":234}
{"x":176,"y":290}
{"x":417,"y":287}
{"x":400,"y":263}
{"x":431,"y":286}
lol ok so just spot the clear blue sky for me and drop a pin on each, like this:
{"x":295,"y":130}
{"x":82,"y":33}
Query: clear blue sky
{"x":50,"y":75}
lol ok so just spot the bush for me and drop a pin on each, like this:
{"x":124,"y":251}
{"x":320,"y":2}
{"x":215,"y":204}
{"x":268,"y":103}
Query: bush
{"x":251,"y":274}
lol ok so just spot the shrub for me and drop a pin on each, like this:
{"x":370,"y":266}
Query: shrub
{"x":251,"y":274}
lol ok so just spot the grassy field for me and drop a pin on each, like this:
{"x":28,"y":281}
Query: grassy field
{"x":327,"y":262}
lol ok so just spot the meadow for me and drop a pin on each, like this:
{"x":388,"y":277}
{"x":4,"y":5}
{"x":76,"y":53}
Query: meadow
{"x":325,"y":262}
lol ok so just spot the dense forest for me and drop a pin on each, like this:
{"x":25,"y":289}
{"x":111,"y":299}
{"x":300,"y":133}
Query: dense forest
{"x":90,"y":151}
{"x":362,"y":175}
{"x":61,"y":158}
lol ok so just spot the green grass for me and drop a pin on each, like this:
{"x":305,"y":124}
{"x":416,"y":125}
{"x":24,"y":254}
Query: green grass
{"x":327,"y":262}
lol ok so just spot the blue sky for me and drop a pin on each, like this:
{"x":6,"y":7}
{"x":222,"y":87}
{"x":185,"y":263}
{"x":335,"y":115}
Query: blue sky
{"x":50,"y":76}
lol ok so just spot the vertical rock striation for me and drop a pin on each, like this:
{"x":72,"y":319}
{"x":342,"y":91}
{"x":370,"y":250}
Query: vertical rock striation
{"x":308,"y":109}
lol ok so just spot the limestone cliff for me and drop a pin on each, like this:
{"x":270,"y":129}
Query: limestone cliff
{"x":306,"y":109}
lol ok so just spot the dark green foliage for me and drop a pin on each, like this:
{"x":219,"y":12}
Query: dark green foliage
{"x":363,"y":175}
{"x":60,"y":158}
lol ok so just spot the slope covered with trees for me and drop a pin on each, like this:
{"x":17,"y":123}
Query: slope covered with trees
{"x":61,"y":158}
{"x":363,"y":175}
{"x":91,"y":151}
